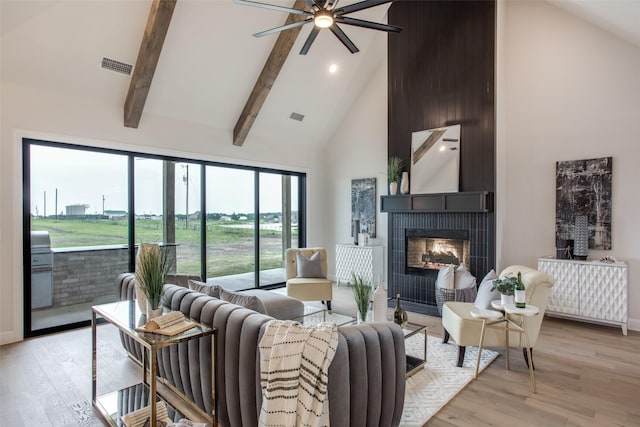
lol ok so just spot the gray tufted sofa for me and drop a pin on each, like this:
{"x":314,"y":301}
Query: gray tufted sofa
{"x":366,"y":377}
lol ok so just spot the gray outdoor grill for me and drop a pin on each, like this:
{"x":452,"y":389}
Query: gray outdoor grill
{"x":41,"y":270}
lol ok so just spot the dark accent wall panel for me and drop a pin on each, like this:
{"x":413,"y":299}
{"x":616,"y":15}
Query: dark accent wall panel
{"x":441,"y":72}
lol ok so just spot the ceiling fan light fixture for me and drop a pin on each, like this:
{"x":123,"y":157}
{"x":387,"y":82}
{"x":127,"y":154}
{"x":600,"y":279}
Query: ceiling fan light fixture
{"x":323,"y":19}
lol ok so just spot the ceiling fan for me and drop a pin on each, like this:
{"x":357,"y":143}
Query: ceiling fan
{"x":325,"y":14}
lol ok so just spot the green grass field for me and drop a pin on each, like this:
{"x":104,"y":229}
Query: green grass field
{"x":230,"y":244}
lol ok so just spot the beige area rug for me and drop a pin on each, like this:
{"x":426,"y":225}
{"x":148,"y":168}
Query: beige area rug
{"x":431,"y":388}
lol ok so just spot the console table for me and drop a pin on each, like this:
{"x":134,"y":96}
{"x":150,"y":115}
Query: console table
{"x":590,"y":291}
{"x":126,"y":316}
{"x":365,"y":261}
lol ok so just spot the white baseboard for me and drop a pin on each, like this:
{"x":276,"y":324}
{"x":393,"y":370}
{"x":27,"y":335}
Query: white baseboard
{"x":634,"y":324}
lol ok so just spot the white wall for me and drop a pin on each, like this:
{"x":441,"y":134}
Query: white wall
{"x":358,"y":149}
{"x":57,"y":116}
{"x":566,"y":91}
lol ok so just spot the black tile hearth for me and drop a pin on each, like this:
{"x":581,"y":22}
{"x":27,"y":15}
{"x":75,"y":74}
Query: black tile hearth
{"x":417,"y":290}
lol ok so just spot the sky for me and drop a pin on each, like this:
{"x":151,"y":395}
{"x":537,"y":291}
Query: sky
{"x":85,"y":177}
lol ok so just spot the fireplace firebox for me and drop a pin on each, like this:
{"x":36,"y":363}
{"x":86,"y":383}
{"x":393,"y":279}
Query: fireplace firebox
{"x":428,"y":250}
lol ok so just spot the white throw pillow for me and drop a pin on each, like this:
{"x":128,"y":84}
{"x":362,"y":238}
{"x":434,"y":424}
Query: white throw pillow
{"x":463,"y":278}
{"x":445,"y":278}
{"x":485,"y":294}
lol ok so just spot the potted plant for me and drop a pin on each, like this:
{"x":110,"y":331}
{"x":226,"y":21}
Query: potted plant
{"x":506,"y":286}
{"x":394,"y":170}
{"x":363,"y":292}
{"x":151,"y":269}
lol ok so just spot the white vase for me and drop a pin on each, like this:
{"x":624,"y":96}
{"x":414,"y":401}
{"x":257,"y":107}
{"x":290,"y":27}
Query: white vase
{"x":380,"y":303}
{"x":153,"y":312}
{"x":404,"y":183}
{"x":506,"y":299}
{"x":393,"y":188}
{"x":581,"y":237}
{"x":141,"y":299}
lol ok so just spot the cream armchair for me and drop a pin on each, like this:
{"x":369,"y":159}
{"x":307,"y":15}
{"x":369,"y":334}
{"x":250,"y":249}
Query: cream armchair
{"x":304,"y":286}
{"x":465,"y":329}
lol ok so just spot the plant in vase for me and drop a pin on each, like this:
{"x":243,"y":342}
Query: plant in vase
{"x":394,"y":171}
{"x":506,"y":286}
{"x":362,"y":292}
{"x":151,"y":269}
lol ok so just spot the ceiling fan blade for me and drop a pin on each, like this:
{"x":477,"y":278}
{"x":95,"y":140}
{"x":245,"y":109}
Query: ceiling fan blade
{"x":359,"y":6}
{"x":273,"y":7}
{"x":343,"y":38}
{"x":312,"y":4}
{"x":330,"y":4}
{"x":283,"y":27}
{"x":312,"y":36}
{"x":367,"y":24}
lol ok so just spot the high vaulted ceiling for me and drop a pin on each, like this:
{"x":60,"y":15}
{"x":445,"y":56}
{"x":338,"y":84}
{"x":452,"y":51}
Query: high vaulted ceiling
{"x":210,"y":62}
{"x":207,"y":68}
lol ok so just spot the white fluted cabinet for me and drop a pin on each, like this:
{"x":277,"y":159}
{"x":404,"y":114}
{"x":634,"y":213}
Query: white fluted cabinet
{"x":366,"y":261}
{"x":588,"y":290}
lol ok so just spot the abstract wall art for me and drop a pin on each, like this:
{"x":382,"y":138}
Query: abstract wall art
{"x":363,"y":205}
{"x":583,"y":188}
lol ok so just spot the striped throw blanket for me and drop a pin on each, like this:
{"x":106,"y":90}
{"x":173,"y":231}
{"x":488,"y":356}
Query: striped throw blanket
{"x":294,"y":366}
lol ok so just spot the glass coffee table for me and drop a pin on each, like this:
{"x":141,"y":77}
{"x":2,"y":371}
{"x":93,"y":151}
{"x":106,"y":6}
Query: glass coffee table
{"x":315,"y":315}
{"x":415,"y":363}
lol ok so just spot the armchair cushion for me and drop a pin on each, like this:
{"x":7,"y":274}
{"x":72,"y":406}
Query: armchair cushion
{"x":309,"y":267}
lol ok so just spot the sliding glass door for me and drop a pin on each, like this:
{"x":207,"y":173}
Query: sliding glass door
{"x":278,"y":225}
{"x":78,"y":233}
{"x":231,"y":239}
{"x":87,"y":209}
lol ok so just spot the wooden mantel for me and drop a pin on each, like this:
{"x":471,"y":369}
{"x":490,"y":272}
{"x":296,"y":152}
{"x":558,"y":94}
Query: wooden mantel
{"x":469,"y":201}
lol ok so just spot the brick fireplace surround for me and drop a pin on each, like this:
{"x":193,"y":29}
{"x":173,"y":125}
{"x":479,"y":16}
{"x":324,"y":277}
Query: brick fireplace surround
{"x":417,"y":291}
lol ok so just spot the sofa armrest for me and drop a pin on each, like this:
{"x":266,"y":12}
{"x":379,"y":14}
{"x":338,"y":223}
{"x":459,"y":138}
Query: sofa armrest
{"x":367,"y":354}
{"x":126,"y":286}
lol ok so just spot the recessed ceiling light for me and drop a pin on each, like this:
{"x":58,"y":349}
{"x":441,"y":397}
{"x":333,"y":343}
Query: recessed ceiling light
{"x":442,"y":148}
{"x":333,"y":68}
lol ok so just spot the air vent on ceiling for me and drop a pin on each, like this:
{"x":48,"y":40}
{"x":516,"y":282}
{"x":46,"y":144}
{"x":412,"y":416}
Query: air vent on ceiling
{"x":296,"y":116}
{"x":116,"y":66}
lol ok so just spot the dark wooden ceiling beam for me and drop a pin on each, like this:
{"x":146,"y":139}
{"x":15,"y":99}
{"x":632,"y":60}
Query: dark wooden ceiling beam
{"x":148,"y":56}
{"x":268,"y":76}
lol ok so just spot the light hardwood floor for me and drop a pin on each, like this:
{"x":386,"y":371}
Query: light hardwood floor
{"x":587,"y":375}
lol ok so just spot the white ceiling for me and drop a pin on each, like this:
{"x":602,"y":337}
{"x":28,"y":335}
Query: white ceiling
{"x":210,"y":61}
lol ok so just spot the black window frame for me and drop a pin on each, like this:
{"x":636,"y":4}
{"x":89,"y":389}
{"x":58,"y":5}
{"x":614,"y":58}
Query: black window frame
{"x":132,"y":155}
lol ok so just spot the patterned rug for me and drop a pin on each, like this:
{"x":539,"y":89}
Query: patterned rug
{"x":430,"y":389}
